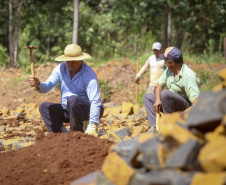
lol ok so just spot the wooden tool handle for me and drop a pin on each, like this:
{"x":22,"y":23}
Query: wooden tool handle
{"x":157,"y":120}
{"x":137,"y":83}
{"x":32,"y":63}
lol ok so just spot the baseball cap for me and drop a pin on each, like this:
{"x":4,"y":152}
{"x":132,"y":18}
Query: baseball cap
{"x":172,"y":53}
{"x":157,"y":45}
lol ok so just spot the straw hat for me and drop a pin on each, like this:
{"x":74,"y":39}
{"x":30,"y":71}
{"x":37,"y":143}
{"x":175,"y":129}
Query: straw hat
{"x":73,"y":52}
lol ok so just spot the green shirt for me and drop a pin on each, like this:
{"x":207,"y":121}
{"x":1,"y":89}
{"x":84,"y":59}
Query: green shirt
{"x":185,"y":84}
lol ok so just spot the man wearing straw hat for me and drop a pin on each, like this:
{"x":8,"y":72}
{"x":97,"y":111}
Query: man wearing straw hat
{"x":80,"y":97}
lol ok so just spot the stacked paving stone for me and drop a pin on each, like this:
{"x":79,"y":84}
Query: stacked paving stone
{"x":15,"y":134}
{"x":118,"y":123}
{"x":189,"y":149}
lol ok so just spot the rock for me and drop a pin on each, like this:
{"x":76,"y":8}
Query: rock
{"x":212,"y":155}
{"x":209,"y":178}
{"x":137,"y":130}
{"x":126,"y":149}
{"x":102,"y":179}
{"x":127,"y":108}
{"x":118,"y":134}
{"x":162,"y":177}
{"x":2,"y":128}
{"x":185,"y":156}
{"x":170,"y":128}
{"x":151,"y":153}
{"x":117,"y":170}
{"x":206,"y":114}
{"x":110,"y":105}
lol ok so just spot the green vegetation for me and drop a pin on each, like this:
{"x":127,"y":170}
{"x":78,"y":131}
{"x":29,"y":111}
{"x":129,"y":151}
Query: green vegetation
{"x":113,"y":29}
{"x":207,"y":80}
{"x":105,"y":88}
{"x":204,"y":57}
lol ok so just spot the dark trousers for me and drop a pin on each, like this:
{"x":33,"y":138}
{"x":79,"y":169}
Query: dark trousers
{"x":171,"y":102}
{"x":54,"y":115}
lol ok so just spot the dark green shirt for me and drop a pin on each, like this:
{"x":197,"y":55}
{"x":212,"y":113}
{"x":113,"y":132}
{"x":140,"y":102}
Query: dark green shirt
{"x":185,"y":84}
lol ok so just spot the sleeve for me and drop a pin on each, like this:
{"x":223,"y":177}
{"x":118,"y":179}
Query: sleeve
{"x":94,"y":98}
{"x":144,"y":68}
{"x":51,"y":82}
{"x":163,"y":79}
{"x":192,"y":88}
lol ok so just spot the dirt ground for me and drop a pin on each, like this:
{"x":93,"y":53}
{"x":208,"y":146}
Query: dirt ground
{"x":62,"y":158}
{"x":55,"y":159}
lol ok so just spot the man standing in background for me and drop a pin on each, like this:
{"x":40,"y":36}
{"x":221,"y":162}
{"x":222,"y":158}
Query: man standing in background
{"x":157,"y":66}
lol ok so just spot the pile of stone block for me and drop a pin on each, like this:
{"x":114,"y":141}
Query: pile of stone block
{"x":15,"y":134}
{"x":189,"y":149}
{"x":118,"y":123}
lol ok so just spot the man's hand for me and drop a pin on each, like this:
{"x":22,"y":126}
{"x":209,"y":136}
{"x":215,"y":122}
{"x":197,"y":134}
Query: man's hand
{"x":34,"y":82}
{"x":136,"y":80}
{"x":157,"y":105}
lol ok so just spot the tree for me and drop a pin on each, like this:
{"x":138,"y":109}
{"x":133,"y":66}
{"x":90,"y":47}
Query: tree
{"x":75,"y":22}
{"x":13,"y":43}
{"x":11,"y":58}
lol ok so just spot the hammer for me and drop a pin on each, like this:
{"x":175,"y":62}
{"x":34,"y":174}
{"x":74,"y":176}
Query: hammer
{"x":18,"y":116}
{"x":31,"y":47}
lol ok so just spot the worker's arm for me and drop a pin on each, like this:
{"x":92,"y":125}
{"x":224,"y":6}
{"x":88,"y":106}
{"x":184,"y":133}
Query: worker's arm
{"x":93,"y":94}
{"x":51,"y":82}
{"x":158,"y":103}
{"x":142,"y":71}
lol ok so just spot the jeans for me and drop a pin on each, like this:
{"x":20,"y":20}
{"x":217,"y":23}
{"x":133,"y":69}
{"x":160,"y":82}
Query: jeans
{"x":54,"y":115}
{"x":171,"y":102}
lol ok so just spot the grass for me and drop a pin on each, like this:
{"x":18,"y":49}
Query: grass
{"x":204,"y":57}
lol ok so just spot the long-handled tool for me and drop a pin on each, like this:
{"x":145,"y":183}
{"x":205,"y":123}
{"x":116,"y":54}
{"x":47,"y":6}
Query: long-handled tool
{"x":17,"y":116}
{"x":157,"y":120}
{"x":137,"y":83}
{"x":31,"y":47}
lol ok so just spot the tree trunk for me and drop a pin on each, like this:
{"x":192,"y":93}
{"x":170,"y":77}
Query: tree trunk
{"x":165,"y":28}
{"x":75,"y":23}
{"x":11,"y":58}
{"x":18,"y":9}
{"x":169,"y":27}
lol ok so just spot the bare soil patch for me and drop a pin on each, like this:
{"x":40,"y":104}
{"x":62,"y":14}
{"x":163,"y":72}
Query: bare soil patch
{"x":55,"y":159}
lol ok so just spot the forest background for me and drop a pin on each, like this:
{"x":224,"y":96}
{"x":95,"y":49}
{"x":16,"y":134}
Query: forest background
{"x":112,"y":29}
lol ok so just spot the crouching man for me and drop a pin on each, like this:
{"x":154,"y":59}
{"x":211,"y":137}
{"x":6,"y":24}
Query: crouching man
{"x":182,"y":87}
{"x":80,"y":97}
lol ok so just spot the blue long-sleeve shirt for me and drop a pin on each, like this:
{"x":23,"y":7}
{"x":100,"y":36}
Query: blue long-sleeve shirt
{"x":83,"y":84}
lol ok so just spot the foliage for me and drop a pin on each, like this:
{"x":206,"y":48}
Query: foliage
{"x":4,"y":57}
{"x":208,"y":81}
{"x":105,"y":89}
{"x":113,"y":29}
{"x":204,"y":57}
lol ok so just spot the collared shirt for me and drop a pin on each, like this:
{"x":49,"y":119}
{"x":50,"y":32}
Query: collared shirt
{"x":83,"y":84}
{"x":157,"y":67}
{"x":185,"y":84}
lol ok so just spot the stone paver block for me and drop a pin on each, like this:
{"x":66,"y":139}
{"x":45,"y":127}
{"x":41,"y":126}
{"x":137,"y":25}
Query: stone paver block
{"x":126,"y":149}
{"x":117,"y":170}
{"x":212,"y":155}
{"x":209,"y":179}
{"x":206,"y":114}
{"x":185,"y":156}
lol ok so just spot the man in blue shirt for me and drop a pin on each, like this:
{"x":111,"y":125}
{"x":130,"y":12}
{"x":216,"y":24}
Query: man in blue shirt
{"x":80,"y":97}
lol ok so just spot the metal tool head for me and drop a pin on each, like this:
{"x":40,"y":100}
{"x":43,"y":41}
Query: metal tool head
{"x":20,"y":115}
{"x":30,"y":47}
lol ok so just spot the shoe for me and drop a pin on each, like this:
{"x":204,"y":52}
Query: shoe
{"x":91,"y":129}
